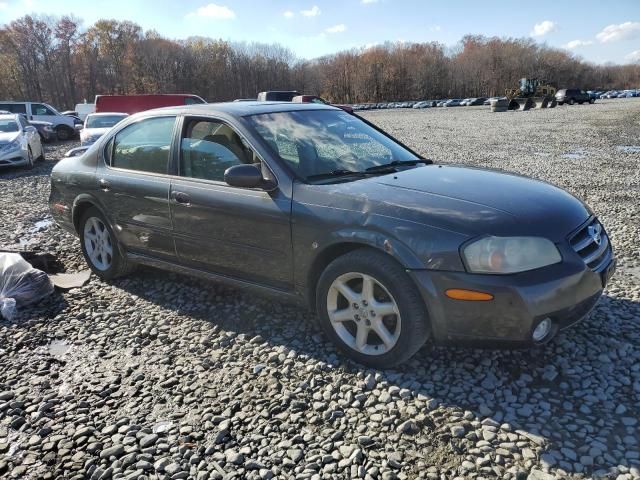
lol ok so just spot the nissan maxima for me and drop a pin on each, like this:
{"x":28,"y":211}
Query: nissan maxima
{"x":319,"y":206}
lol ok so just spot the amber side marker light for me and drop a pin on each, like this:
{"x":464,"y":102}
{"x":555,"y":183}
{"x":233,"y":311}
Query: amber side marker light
{"x":471,"y":295}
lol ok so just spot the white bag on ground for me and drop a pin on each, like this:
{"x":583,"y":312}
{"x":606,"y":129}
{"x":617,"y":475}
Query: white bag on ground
{"x":20,"y":284}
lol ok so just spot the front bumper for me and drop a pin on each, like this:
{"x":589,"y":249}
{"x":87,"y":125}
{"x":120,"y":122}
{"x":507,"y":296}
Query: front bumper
{"x":13,"y":158}
{"x":565,"y":293}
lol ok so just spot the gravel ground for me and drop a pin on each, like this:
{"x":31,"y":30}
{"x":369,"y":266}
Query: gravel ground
{"x":163,"y":376}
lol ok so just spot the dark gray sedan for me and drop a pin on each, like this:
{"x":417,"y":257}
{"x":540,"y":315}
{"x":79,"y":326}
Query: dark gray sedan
{"x":317,"y":205}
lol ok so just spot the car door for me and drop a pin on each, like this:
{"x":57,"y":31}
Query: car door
{"x":41,"y":112}
{"x":30,"y":133}
{"x":242,"y":233}
{"x":133,"y":185}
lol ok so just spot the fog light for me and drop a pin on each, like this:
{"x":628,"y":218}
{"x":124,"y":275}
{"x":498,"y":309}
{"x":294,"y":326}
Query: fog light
{"x":542,"y":330}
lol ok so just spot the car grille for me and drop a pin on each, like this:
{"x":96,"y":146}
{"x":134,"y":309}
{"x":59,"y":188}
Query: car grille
{"x":592,"y":244}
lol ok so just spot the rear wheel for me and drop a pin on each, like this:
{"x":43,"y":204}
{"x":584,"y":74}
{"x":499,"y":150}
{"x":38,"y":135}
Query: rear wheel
{"x":370,"y":308}
{"x":100,"y":247}
{"x":592,"y":100}
{"x":572,"y":101}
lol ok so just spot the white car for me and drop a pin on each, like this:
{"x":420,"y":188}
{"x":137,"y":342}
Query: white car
{"x":19,"y":142}
{"x":42,"y":112}
{"x":97,"y":124}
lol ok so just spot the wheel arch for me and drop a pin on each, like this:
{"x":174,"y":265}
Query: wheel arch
{"x":341,"y":246}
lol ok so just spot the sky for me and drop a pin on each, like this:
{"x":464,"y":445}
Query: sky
{"x":597,"y":31}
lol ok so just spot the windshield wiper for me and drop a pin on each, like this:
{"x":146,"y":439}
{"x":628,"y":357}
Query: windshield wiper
{"x":341,"y":172}
{"x":397,"y":163}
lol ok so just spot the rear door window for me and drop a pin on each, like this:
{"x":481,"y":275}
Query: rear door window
{"x":14,"y":107}
{"x":143,"y":146}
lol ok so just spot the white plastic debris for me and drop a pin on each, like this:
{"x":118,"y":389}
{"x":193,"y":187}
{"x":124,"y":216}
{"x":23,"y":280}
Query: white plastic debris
{"x":20,"y":284}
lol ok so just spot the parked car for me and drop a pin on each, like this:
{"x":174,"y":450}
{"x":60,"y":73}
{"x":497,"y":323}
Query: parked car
{"x":62,"y":124}
{"x":277,"y":96}
{"x":139,"y":103}
{"x":464,"y":101}
{"x":45,"y":130}
{"x":84,"y":109}
{"x":250,"y":198}
{"x":19,"y":142}
{"x":572,"y":96}
{"x":477,"y":101}
{"x":320,"y":100}
{"x":454,"y":102}
{"x":97,"y":124}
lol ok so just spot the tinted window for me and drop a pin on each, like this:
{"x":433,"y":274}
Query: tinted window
{"x":143,"y":146}
{"x":209,"y":147}
{"x":14,"y":107}
{"x":193,"y":101}
{"x":281,"y":96}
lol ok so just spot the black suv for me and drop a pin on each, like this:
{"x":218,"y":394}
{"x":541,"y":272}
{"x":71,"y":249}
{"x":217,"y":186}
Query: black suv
{"x":573,"y":95}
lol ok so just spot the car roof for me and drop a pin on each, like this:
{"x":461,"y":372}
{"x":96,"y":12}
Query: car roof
{"x":106,"y":114}
{"x":7,"y":116}
{"x":241,"y":109}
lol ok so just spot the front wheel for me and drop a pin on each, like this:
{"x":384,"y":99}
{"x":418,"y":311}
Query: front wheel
{"x":100,"y":247}
{"x":64,"y":133}
{"x":369,"y":307}
{"x":29,"y":158}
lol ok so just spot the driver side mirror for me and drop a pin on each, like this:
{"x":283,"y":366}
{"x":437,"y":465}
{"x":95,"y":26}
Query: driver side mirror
{"x":247,"y":176}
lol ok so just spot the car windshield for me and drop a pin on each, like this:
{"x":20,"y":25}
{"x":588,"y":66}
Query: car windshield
{"x":320,"y":142}
{"x":7,"y":126}
{"x":103,"y":121}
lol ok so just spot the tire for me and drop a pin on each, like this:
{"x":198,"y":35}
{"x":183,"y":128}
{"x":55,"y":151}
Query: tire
{"x":407,"y":326}
{"x":592,"y":101}
{"x":29,"y":158}
{"x":64,"y":133}
{"x":572,"y":102}
{"x":102,"y":254}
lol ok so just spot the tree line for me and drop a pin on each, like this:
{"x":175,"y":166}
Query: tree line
{"x":56,"y":60}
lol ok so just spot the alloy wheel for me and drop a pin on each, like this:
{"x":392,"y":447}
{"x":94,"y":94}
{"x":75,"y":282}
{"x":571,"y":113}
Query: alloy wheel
{"x":98,"y":244}
{"x":363,"y":313}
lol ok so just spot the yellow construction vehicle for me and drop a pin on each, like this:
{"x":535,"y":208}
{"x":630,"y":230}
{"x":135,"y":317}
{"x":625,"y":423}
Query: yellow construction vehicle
{"x":532,"y":93}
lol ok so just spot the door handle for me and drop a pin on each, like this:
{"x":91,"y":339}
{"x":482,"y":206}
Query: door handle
{"x":104,"y":184}
{"x":181,"y":197}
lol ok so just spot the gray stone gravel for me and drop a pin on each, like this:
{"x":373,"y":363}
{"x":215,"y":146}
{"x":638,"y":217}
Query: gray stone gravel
{"x":159,"y":376}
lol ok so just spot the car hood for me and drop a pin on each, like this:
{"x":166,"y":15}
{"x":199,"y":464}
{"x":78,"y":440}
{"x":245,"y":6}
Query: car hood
{"x":7,"y":137}
{"x":468,"y":201}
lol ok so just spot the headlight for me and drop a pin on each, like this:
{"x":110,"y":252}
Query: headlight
{"x":509,"y":254}
{"x":14,"y":145}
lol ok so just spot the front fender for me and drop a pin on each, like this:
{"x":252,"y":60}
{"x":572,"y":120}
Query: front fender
{"x":392,"y":246}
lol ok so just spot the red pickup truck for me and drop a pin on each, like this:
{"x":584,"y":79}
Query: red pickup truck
{"x":316,"y":99}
